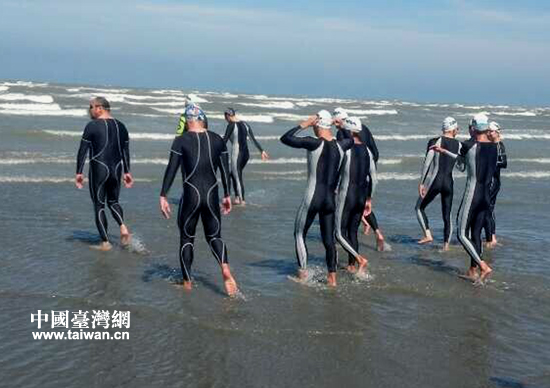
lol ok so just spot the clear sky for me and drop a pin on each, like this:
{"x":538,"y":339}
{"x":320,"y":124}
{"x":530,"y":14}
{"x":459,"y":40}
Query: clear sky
{"x":441,"y":51}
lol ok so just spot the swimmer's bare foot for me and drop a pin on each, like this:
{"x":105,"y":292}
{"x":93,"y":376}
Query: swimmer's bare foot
{"x":485,"y":271}
{"x":472,"y":274}
{"x":104,"y":246}
{"x":351,"y":268}
{"x":331,"y":279}
{"x":228,"y":281}
{"x":302,"y":274}
{"x":187,"y":285}
{"x":125,"y":236}
{"x":425,"y":240}
{"x":379,"y":241}
{"x":366,"y":229}
{"x":237,"y":201}
{"x":445,"y":247}
{"x":362,"y":261}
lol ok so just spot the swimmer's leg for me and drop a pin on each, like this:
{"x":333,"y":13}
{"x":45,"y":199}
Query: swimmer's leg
{"x":188,"y":216}
{"x":353,"y":229}
{"x":446,"y":207}
{"x":98,"y":176}
{"x":303,"y":222}
{"x":326,"y":221}
{"x":420,"y":208}
{"x":112,"y":188}
{"x":241,"y":164}
{"x":211,"y":221}
{"x":373,"y":222}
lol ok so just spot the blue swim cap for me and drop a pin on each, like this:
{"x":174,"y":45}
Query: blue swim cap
{"x":480,"y":122}
{"x":194,"y":112}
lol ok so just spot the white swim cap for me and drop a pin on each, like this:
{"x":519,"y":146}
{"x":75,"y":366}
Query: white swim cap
{"x":480,"y":122}
{"x":449,"y":124}
{"x":325,"y":119}
{"x":340,"y":113}
{"x":353,"y":124}
{"x":494,"y":126}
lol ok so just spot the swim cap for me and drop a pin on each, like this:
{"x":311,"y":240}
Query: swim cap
{"x":325,"y":119}
{"x":480,"y":122}
{"x":449,"y":124}
{"x":340,"y":113}
{"x":194,"y":112}
{"x":494,"y":126}
{"x":353,"y":124}
{"x":230,"y":112}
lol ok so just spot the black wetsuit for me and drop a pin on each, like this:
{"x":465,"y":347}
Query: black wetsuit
{"x":357,"y":184}
{"x":107,"y":142}
{"x":502,"y":162}
{"x":480,"y":160}
{"x":238,"y":134}
{"x":199,"y":154}
{"x":323,"y":161}
{"x":366,"y":137}
{"x":437,"y":178}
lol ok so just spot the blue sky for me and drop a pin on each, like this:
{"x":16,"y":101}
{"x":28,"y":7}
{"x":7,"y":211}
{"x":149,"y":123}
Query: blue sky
{"x":454,"y":51}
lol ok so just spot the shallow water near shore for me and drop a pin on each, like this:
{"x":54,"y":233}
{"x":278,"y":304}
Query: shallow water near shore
{"x":412,"y":323}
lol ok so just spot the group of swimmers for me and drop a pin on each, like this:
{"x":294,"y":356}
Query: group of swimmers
{"x":340,"y":185}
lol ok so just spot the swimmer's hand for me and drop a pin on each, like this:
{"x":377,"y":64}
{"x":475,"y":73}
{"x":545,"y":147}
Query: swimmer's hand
{"x":79,"y":181}
{"x":339,"y":123}
{"x":310,"y":122}
{"x":265,"y":156}
{"x":368,"y":208}
{"x":128,"y":180}
{"x":437,"y":148}
{"x":226,"y":205}
{"x":165,"y":208}
{"x":421,"y":190}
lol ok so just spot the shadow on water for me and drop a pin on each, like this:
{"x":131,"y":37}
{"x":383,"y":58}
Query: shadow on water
{"x":402,"y":239}
{"x":84,"y":237}
{"x":282,"y":266}
{"x":173,"y":275}
{"x":435,"y":265}
{"x":502,"y":382}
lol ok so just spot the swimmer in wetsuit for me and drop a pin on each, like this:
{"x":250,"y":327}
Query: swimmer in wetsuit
{"x":480,"y":159}
{"x":366,"y":137}
{"x":106,"y":141}
{"x":357,"y":184}
{"x":437,"y":179}
{"x":199,"y":153}
{"x":324,"y":158}
{"x":237,"y":132}
{"x":502,"y":162}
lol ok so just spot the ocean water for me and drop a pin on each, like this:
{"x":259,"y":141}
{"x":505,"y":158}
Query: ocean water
{"x":413,"y":323}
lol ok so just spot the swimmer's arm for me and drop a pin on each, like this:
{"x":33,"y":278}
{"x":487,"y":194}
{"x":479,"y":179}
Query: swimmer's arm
{"x":224,"y":171}
{"x":258,"y":146}
{"x":502,"y":161}
{"x":373,"y":175}
{"x":125,"y":150}
{"x":83,"y":150}
{"x":428,"y":160}
{"x":171,"y":170}
{"x":369,"y":141}
{"x":228,"y":131}
{"x":307,"y":142}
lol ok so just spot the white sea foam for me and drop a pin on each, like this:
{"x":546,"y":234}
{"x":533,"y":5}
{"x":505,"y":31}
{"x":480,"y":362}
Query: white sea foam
{"x":280,"y":173}
{"x":527,"y":174}
{"x":525,"y":114}
{"x":4,"y":88}
{"x":303,"y":104}
{"x":288,"y":116}
{"x":272,"y":105}
{"x":534,"y":160}
{"x":279,"y":161}
{"x":390,"y":161}
{"x":39,"y":110}
{"x":44,"y":99}
{"x":371,"y":112}
{"x":244,"y":116}
{"x":30,"y":179}
{"x":513,"y":136}
{"x":133,"y":135}
{"x":28,"y":84}
{"x":95,"y":91}
{"x":268,"y":137}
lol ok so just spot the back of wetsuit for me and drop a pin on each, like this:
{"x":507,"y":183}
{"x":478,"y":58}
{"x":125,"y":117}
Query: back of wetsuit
{"x":366,"y":137}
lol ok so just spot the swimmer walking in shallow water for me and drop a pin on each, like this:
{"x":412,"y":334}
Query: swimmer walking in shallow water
{"x":106,"y":141}
{"x":324,"y":158}
{"x":199,"y":153}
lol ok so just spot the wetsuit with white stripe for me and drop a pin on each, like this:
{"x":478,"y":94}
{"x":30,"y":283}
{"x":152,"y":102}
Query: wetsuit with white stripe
{"x":199,"y":154}
{"x":324,"y":159}
{"x":502,"y":162}
{"x":437,"y":179}
{"x":480,"y":159}
{"x":107,"y":143}
{"x":357,"y":184}
{"x":238,"y":134}
{"x":366,"y":137}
